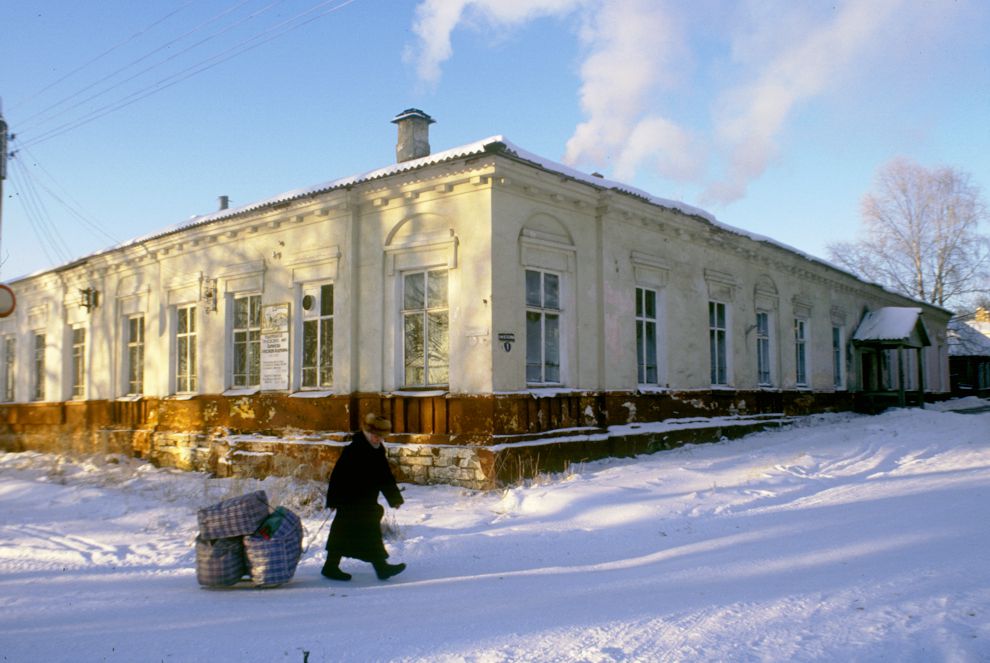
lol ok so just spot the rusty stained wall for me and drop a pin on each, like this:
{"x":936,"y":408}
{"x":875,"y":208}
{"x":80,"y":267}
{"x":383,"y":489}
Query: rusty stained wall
{"x":435,"y":439}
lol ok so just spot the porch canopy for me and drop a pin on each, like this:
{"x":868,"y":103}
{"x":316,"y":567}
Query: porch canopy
{"x":894,"y":328}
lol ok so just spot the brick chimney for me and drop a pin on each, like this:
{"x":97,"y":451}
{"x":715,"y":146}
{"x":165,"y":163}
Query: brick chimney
{"x":414,"y":134}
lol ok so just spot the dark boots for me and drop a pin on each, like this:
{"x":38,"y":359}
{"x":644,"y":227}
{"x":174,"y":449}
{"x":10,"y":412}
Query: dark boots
{"x":331,"y":569}
{"x":384,"y":570}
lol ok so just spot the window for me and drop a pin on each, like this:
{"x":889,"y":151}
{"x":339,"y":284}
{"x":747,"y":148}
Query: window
{"x":909,"y":359}
{"x":646,"y":336}
{"x":763,"y":374}
{"x":38,"y":378}
{"x":717,"y":342}
{"x":800,"y":352}
{"x":888,"y":360}
{"x":78,"y":362}
{"x":425,"y":328}
{"x":837,"y":352}
{"x":247,"y":341}
{"x":317,"y":355}
{"x":185,"y":349}
{"x":135,"y":355}
{"x":9,"y":367}
{"x":542,"y":327}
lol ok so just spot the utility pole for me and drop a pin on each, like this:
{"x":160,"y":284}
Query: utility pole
{"x":3,"y":172}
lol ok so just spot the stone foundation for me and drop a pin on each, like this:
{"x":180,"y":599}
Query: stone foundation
{"x":476,"y":442}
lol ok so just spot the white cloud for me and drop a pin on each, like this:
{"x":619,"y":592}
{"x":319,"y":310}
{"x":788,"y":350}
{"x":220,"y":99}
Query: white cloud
{"x":633,"y":50}
{"x":765,"y":61}
{"x":436,"y":19}
{"x":634,"y":47}
{"x":807,"y":64}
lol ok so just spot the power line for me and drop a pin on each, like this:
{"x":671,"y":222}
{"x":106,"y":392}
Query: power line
{"x":259,"y":39}
{"x":74,"y":211}
{"x":37,"y":118}
{"x":105,"y":53}
{"x":37,"y":216}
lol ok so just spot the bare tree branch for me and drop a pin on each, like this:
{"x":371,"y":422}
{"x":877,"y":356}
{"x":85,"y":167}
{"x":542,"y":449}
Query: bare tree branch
{"x":920,"y":235}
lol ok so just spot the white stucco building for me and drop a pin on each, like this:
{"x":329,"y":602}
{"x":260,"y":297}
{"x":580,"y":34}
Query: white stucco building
{"x":480,"y":296}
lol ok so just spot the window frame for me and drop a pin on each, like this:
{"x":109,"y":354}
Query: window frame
{"x":324,"y":374}
{"x":838,"y":358}
{"x":544,"y":310}
{"x":429,"y":315}
{"x":9,"y":368}
{"x":186,"y":382}
{"x":134,"y":378}
{"x":252,"y":339}
{"x":764,"y":350}
{"x":38,"y":365}
{"x":77,"y":362}
{"x":718,"y":343}
{"x":643,"y":321}
{"x":801,"y":342}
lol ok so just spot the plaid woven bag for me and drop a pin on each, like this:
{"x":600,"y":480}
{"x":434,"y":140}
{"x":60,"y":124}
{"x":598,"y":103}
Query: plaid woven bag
{"x":220,"y":562}
{"x":236,"y":516}
{"x":273,"y":551}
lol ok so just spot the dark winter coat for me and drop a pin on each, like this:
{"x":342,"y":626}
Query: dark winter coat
{"x":361,"y":473}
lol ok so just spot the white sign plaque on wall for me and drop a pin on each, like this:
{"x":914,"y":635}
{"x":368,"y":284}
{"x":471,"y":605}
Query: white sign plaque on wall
{"x":275,"y":347}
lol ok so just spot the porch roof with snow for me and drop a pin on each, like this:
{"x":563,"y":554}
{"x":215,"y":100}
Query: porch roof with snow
{"x":893,"y":327}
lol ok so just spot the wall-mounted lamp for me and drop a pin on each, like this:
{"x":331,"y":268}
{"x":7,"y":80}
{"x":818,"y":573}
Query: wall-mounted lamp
{"x":208,"y":294}
{"x":89,"y":298}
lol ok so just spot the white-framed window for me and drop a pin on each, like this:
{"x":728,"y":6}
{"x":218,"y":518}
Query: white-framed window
{"x":78,"y":362}
{"x":9,"y":368}
{"x":186,"y":371}
{"x":542,"y":327}
{"x":718,"y":343}
{"x":910,"y":358}
{"x":647,"y":337}
{"x":801,"y":352}
{"x":134,"y":326}
{"x":425,"y":328}
{"x":38,"y":374}
{"x":317,"y":336}
{"x":246,"y":341}
{"x":764,"y":374}
{"x":838,"y":354}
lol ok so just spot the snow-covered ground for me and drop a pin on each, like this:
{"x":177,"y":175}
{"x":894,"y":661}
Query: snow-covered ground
{"x":840,"y":538}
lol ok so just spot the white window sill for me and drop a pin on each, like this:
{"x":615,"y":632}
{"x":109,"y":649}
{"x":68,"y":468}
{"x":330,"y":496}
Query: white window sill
{"x":130,"y":398}
{"x":311,"y":394}
{"x":245,"y":391}
{"x":552,"y":391}
{"x":181,"y":397}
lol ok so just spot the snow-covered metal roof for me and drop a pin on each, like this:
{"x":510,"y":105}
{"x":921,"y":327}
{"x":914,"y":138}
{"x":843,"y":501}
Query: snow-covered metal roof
{"x":493,"y":144}
{"x":966,"y":340}
{"x":895,"y":325}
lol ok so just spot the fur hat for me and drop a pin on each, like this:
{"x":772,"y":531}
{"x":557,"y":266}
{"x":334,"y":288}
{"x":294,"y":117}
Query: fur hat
{"x":377,"y":423}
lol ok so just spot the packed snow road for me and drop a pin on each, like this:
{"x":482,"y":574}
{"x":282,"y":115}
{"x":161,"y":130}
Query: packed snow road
{"x":842,"y":537}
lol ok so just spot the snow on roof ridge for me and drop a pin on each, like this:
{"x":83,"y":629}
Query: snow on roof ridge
{"x":477,"y":147}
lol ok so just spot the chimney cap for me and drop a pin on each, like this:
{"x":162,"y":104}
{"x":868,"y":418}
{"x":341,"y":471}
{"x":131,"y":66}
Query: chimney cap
{"x":411,"y":113}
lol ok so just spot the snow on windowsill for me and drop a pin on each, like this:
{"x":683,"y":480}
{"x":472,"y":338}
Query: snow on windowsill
{"x":311,"y":394}
{"x":251,"y":391}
